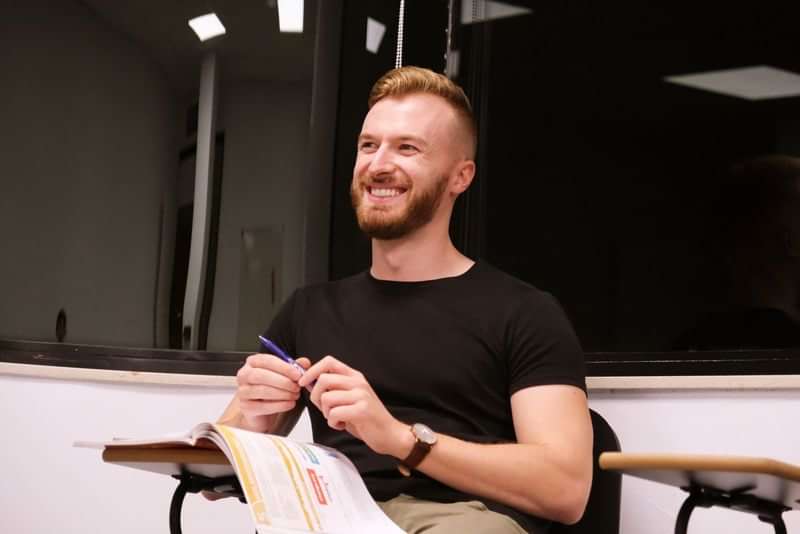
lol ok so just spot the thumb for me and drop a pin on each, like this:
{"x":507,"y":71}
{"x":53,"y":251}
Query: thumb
{"x":305,"y":363}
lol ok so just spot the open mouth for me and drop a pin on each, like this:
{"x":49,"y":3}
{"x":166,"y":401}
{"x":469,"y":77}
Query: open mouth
{"x":385,"y":193}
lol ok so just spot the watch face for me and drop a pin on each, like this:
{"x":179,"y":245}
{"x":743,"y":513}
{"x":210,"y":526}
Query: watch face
{"x":424,"y":434}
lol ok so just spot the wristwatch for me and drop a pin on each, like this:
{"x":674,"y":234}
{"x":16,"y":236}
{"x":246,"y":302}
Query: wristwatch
{"x":425,"y":440}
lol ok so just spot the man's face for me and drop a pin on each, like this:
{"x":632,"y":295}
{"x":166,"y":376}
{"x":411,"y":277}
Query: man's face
{"x":405,"y":157}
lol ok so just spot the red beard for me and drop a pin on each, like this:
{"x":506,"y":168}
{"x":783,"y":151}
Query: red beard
{"x":396,"y":222}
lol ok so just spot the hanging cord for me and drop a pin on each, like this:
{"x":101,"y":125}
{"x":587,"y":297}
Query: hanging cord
{"x":449,"y":46}
{"x":399,"y":58}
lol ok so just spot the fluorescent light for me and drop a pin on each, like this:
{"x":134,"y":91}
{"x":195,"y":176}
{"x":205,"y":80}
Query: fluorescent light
{"x":482,"y":10}
{"x":375,"y":31}
{"x":751,"y":83}
{"x":207,"y":26}
{"x":290,"y":16}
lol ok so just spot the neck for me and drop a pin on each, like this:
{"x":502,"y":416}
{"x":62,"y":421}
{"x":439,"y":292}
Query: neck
{"x":426,"y":254}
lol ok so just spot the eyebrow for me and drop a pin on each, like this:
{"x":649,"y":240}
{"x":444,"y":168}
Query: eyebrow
{"x":400,"y":139}
{"x":414,"y":139}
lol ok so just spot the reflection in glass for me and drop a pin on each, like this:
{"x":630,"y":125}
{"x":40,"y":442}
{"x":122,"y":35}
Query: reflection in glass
{"x":608,"y":132}
{"x":606,"y":171}
{"x":759,"y":240}
{"x":99,"y":169}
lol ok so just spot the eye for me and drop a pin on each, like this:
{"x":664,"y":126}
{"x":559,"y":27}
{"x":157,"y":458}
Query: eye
{"x":366,"y":146}
{"x":406,"y":147}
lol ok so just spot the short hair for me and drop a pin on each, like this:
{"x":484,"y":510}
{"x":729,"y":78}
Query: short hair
{"x":408,"y":80}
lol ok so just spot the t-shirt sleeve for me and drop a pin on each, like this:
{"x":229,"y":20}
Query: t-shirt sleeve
{"x":281,"y":330}
{"x":542,"y":346}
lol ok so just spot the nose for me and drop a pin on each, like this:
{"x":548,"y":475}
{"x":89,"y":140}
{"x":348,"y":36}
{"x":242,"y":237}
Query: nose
{"x":380,"y":162}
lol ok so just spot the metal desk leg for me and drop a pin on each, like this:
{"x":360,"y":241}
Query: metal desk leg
{"x":176,"y":505}
{"x":766,"y":511}
{"x":776,"y":522}
{"x":191,"y":483}
{"x":694,"y":499}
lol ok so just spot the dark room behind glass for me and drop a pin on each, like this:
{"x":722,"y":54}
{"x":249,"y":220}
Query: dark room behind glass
{"x":638,"y":162}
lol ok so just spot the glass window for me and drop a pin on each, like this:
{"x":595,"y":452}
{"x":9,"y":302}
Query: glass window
{"x":641,"y":162}
{"x":154,"y":179}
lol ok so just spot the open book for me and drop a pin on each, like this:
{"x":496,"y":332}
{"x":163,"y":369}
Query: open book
{"x":290,"y":487}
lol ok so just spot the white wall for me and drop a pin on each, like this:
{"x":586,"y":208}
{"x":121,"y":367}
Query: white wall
{"x":87,"y":126}
{"x":263,"y":184}
{"x":48,"y":485}
{"x":41,"y":470}
{"x":750,"y":423}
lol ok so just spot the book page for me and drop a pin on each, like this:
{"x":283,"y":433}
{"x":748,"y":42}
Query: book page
{"x":298,"y":487}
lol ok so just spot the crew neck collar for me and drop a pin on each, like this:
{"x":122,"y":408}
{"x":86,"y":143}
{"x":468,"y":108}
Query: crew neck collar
{"x":416,"y":283}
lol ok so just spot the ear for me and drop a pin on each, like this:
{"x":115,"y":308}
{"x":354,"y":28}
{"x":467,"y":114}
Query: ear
{"x":462,"y":176}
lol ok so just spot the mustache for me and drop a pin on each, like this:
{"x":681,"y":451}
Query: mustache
{"x":366,"y":181}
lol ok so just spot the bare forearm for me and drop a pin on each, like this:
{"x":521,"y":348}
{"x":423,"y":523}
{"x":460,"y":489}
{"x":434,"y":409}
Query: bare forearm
{"x":547,"y":473}
{"x":528,"y":477}
{"x":280,"y":423}
{"x":232,"y":416}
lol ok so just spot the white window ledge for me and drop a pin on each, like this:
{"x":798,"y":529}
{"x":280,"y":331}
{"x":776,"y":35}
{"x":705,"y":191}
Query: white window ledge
{"x":594,"y":383}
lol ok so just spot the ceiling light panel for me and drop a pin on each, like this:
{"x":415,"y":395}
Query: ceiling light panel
{"x":207,"y":26}
{"x":290,"y":16}
{"x":751,"y":83}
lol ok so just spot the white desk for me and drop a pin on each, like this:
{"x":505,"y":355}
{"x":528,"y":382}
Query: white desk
{"x":760,"y":486}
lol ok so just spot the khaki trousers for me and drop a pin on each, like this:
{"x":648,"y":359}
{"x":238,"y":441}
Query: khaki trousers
{"x":416,"y":516}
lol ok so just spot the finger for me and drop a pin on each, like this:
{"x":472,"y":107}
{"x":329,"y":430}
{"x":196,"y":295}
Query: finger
{"x":305,"y":363}
{"x":341,"y":417}
{"x":272,"y":363}
{"x":268,"y":377}
{"x":260,"y":360}
{"x":340,"y":425}
{"x":328,"y":364}
{"x":268,"y":393}
{"x":328,"y":382}
{"x":253,"y":408}
{"x":333,"y":398}
{"x":265,"y":377}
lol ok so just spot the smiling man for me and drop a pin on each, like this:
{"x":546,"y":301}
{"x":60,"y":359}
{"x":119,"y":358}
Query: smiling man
{"x":457,"y":390}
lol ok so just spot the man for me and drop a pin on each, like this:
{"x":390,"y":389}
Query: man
{"x":457,"y":391}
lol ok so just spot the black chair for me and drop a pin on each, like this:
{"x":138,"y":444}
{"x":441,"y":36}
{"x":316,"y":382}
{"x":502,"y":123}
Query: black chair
{"x":603,"y":508}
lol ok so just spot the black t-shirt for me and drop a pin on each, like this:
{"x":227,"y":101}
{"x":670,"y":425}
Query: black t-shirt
{"x":448,"y":353}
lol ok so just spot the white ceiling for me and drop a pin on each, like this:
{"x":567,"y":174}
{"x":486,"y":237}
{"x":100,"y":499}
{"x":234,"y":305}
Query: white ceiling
{"x":252,"y":49}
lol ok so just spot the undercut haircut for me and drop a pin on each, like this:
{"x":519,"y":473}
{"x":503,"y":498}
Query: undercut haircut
{"x":409,"y":80}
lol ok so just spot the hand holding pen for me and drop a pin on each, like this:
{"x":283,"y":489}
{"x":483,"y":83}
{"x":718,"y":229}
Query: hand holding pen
{"x":266,"y":388}
{"x":275,"y":350}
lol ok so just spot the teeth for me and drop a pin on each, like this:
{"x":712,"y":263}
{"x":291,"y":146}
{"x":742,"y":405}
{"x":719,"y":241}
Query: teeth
{"x":385,"y":192}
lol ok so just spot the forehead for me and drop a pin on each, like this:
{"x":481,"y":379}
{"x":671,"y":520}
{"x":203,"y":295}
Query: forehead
{"x":417,"y":114}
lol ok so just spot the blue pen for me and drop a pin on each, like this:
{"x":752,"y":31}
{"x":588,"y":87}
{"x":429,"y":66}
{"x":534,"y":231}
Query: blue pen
{"x":272,"y":348}
{"x":277,"y":351}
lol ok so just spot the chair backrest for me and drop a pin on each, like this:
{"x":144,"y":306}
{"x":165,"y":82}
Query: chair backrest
{"x":603,"y":509}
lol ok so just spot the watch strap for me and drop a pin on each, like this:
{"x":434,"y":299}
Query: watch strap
{"x":418,"y":453}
